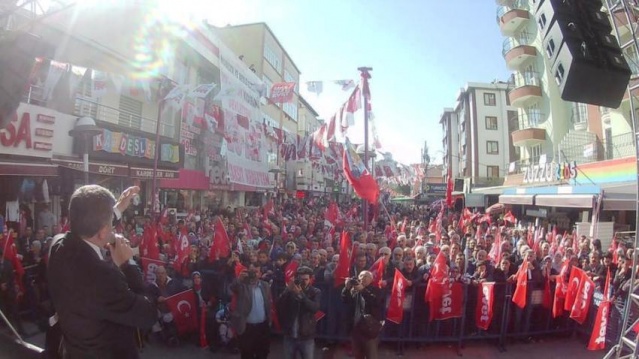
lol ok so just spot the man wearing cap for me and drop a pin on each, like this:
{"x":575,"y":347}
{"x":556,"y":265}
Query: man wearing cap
{"x":296,"y":309}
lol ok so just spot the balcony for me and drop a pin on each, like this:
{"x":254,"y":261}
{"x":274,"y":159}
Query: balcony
{"x":529,"y":132}
{"x":527,"y":89}
{"x":517,"y":50}
{"x":512,"y":18}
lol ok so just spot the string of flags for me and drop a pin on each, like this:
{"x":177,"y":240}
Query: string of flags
{"x":317,"y":87}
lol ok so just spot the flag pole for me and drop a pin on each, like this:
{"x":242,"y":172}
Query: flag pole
{"x":364,"y":71}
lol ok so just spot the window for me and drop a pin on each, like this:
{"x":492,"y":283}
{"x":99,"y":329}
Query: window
{"x":492,"y":171}
{"x":130,"y":112}
{"x":492,"y":147}
{"x":490,"y":99}
{"x":272,"y":58}
{"x":535,"y":154}
{"x":289,"y":78}
{"x":269,"y":84}
{"x":491,"y":122}
{"x":290,"y":109}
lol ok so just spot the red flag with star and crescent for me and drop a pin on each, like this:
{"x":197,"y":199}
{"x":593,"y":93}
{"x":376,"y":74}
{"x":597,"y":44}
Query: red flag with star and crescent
{"x":358,"y":176}
{"x":221,"y":247}
{"x":183,"y":308}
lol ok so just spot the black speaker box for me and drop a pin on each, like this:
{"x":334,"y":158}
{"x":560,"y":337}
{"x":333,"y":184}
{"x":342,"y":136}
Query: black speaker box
{"x":561,"y":31}
{"x":581,"y":79}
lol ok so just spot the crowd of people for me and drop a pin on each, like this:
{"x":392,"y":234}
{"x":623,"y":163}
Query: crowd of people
{"x":289,"y":256}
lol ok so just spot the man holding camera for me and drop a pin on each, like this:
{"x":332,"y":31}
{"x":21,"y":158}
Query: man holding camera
{"x":296,"y":308}
{"x":365,"y":302}
{"x":250,"y":318}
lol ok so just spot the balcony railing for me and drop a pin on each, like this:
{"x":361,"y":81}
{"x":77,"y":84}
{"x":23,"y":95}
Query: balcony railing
{"x":524,"y":39}
{"x":618,"y":146}
{"x":530,"y":119}
{"x":526,"y":78}
{"x":516,"y":5}
{"x":88,"y":107}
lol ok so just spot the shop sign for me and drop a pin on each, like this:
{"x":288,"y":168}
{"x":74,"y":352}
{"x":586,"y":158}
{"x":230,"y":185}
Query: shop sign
{"x":248,"y":177}
{"x":98,"y":168}
{"x":439,"y":188}
{"x":28,"y":134}
{"x":147,"y":173}
{"x":187,"y":138}
{"x":550,"y":172}
{"x":134,"y":146}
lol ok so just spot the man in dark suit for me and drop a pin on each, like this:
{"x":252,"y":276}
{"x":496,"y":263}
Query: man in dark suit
{"x":363,"y":298}
{"x":99,"y":304}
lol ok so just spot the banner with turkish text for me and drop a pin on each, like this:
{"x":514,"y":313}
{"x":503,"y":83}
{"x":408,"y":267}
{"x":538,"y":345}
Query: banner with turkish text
{"x":598,"y":335}
{"x":484,"y":310}
{"x":448,"y":300}
{"x":395,"y":311}
{"x":149,"y":265}
{"x":282,"y":92}
{"x":183,"y":308}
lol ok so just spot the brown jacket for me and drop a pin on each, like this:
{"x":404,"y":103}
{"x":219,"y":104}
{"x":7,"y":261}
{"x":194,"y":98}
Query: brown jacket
{"x":244,"y":303}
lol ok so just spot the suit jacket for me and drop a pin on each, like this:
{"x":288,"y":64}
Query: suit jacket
{"x":373,"y":303}
{"x":98,"y":305}
{"x":244,"y":303}
{"x":302,"y":307}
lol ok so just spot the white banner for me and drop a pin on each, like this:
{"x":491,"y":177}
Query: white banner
{"x":246,"y":145}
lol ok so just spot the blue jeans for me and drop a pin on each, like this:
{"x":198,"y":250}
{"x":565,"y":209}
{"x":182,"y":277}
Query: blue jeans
{"x":306,"y":348}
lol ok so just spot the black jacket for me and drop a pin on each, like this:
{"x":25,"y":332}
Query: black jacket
{"x":98,"y":305}
{"x":303,"y":307}
{"x":373,"y":303}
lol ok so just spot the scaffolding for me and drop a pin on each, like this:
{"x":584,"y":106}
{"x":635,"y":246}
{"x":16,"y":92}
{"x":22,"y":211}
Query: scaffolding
{"x":624,"y":15}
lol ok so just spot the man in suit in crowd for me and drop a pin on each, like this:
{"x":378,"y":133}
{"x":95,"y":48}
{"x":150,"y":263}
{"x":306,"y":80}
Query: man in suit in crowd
{"x":99,"y":304}
{"x":363,"y":298}
{"x":251,"y":317}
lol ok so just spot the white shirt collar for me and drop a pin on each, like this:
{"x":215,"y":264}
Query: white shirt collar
{"x":95,"y":248}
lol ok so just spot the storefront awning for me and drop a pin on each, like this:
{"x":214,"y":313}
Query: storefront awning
{"x":620,"y":197}
{"x":566,"y":200}
{"x":28,"y":169}
{"x":516,"y":198}
{"x":188,"y":179}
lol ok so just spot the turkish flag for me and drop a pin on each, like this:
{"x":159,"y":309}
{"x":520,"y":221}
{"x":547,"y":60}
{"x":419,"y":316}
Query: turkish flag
{"x":581,"y":305}
{"x":358,"y":176}
{"x":378,"y":268}
{"x":395,"y":311}
{"x":182,"y":249}
{"x":149,"y":266}
{"x":239,"y":268}
{"x":598,"y":335}
{"x":332,"y":213}
{"x":221,"y":247}
{"x":438,"y":275}
{"x":342,"y":269}
{"x":290,"y":271}
{"x":519,"y":297}
{"x":149,"y":246}
{"x":510,"y":218}
{"x":484,"y":309}
{"x":574,"y":282}
{"x":183,"y":308}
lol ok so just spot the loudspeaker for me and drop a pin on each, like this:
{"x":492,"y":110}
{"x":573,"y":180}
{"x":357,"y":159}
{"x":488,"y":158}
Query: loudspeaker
{"x":561,"y":31}
{"x":549,"y":11}
{"x":581,"y":79}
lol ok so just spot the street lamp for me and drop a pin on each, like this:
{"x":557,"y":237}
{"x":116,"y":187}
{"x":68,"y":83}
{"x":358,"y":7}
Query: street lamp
{"x":84,"y":129}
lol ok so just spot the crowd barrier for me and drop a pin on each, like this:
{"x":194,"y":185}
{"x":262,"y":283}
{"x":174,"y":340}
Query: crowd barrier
{"x":509,"y":322}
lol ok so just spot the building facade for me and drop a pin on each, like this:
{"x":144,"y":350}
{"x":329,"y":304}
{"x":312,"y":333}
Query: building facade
{"x":476,"y":134}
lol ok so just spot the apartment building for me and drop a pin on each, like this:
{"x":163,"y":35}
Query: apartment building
{"x":476,"y":138}
{"x":572,"y":157}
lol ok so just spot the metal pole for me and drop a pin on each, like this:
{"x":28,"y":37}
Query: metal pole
{"x":365,"y":91}
{"x":625,"y":341}
{"x":85,"y":159}
{"x":155,"y":200}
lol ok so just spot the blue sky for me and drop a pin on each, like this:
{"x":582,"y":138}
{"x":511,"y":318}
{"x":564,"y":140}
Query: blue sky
{"x":422,"y":52}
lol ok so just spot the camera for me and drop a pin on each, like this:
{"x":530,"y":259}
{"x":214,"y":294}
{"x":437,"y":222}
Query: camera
{"x":297,"y":282}
{"x":353,"y":281}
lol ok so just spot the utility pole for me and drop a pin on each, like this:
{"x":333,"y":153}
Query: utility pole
{"x":365,"y":73}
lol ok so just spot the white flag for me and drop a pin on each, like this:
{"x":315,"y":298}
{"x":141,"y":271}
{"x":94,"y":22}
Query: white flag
{"x":203,"y":90}
{"x":315,"y":86}
{"x":346,"y":84}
